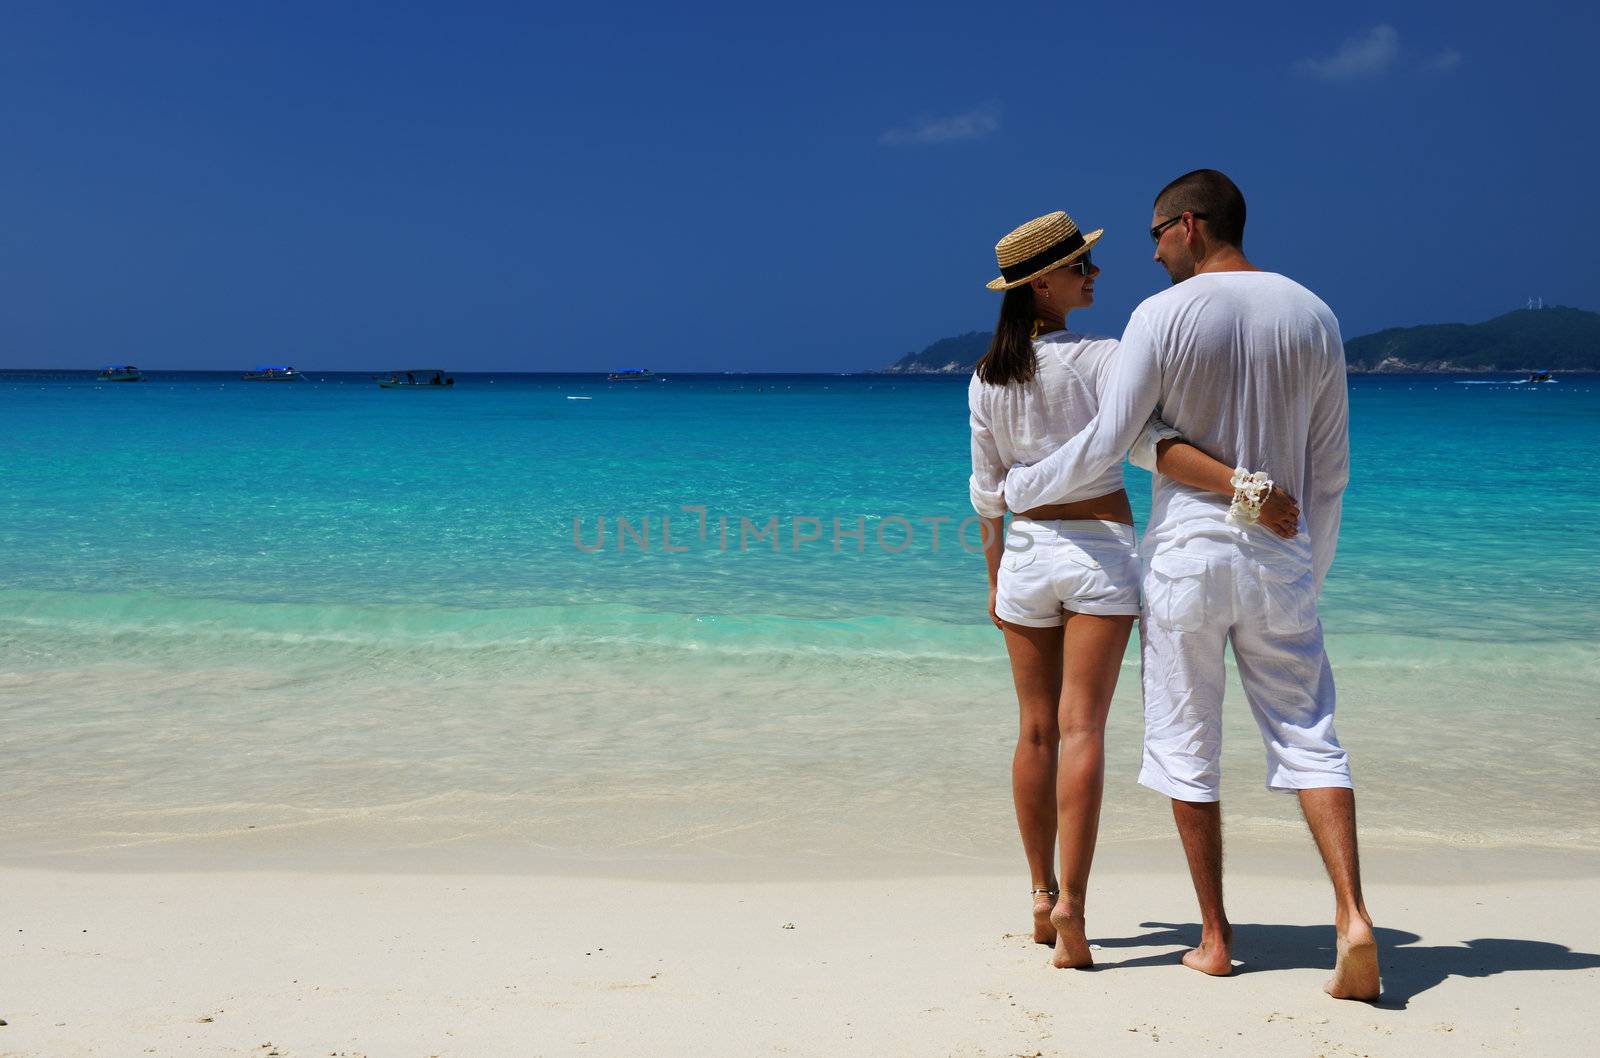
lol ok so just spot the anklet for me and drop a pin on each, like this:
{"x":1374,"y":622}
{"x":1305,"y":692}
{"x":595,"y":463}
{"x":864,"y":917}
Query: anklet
{"x":1036,"y":890}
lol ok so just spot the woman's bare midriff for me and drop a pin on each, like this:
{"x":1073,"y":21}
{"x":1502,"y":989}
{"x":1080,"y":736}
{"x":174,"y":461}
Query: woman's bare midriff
{"x":1112,"y":507}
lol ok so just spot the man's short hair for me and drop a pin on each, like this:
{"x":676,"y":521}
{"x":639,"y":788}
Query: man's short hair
{"x":1212,"y":193}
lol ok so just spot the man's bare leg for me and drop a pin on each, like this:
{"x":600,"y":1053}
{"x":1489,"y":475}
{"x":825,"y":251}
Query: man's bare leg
{"x":1331,"y":815}
{"x":1200,"y":827}
{"x":1036,"y":671}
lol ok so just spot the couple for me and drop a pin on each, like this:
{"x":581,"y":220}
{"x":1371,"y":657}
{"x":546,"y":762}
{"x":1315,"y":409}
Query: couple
{"x":1231,"y":362}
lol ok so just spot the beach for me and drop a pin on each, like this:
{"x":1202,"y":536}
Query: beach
{"x":331,"y":717}
{"x":311,"y":964}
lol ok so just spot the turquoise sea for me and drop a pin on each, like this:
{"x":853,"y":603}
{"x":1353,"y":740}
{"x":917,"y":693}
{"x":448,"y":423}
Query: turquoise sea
{"x":241,"y":622}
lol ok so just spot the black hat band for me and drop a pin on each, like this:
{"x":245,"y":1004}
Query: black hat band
{"x":1044,"y":258}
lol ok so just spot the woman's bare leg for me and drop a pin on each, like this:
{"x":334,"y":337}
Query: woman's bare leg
{"x":1036,"y":670}
{"x":1092,"y":650}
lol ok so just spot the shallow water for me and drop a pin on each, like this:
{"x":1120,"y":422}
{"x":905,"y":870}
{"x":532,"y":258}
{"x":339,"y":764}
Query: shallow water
{"x":322,"y":615}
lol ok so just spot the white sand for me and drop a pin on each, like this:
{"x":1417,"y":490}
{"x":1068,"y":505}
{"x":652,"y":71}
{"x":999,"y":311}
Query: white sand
{"x":310,"y":964}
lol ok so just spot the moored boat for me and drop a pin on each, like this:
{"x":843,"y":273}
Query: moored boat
{"x":120,"y":373}
{"x":429,"y":378}
{"x":272,"y":374}
{"x":631,"y":374}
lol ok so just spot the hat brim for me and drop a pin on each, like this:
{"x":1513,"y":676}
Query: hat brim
{"x":1002,"y":283}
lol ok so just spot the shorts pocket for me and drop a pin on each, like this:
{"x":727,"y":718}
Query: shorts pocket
{"x":1110,"y":569}
{"x":1015,"y":560}
{"x":1082,"y":558}
{"x":1175,"y":591}
{"x":1289,"y":597}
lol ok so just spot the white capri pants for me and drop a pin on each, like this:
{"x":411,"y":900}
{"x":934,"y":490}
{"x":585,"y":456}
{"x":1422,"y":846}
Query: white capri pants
{"x":1198,"y":595}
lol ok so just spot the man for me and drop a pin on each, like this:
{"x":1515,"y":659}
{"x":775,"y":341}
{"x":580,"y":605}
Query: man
{"x":1249,"y":366}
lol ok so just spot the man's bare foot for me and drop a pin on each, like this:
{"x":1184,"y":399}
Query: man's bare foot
{"x":1072,"y":944}
{"x":1214,"y":956}
{"x":1044,"y":900}
{"x":1355,"y":969}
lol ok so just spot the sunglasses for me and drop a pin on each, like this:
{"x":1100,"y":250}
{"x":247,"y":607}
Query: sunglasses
{"x":1155,"y":232}
{"x":1083,"y":266}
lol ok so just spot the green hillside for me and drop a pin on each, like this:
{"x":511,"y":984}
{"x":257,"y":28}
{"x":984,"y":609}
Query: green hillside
{"x":946,"y":356}
{"x":1548,"y":339}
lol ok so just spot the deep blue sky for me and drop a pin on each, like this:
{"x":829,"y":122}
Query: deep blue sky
{"x":749,"y":187}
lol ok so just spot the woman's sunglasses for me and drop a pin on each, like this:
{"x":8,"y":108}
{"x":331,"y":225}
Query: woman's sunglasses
{"x":1083,"y":266}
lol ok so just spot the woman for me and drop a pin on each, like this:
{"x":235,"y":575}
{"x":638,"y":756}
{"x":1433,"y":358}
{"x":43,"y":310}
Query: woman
{"x":1065,"y":591}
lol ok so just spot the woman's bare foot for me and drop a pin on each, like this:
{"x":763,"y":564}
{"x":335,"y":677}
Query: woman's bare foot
{"x":1214,"y":956}
{"x":1044,"y":901}
{"x":1355,"y":968}
{"x":1072,"y":944}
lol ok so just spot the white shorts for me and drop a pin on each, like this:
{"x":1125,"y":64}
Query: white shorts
{"x":1086,"y":566}
{"x":1200,"y":595}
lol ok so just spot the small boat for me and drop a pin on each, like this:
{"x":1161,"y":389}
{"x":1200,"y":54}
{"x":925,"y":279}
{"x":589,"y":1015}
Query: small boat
{"x":120,"y":373}
{"x":1540,"y":376}
{"x":272,"y":374}
{"x":631,"y":374}
{"x":430,"y":378}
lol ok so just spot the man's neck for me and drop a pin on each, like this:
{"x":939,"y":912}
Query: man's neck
{"x":1225,"y":259}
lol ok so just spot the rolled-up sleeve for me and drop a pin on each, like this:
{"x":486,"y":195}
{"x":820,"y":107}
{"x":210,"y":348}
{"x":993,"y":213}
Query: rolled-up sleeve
{"x":986,"y":487}
{"x":1143,"y":453}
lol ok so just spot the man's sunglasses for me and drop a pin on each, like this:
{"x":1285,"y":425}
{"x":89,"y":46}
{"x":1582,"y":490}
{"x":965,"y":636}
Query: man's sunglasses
{"x":1155,"y":232}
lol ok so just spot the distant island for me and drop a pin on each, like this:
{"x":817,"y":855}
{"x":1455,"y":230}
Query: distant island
{"x":1556,"y":338}
{"x":947,"y":356}
{"x":1548,"y":339}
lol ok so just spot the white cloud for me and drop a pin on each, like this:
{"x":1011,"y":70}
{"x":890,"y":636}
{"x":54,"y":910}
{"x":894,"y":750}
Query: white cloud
{"x":1445,"y":61}
{"x":971,"y":124}
{"x":1358,"y":57}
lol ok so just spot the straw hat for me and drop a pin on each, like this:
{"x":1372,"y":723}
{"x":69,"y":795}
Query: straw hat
{"x":1041,"y":244}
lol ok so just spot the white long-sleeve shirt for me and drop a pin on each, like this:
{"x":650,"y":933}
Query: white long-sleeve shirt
{"x":1249,"y":366}
{"x":1024,"y":422}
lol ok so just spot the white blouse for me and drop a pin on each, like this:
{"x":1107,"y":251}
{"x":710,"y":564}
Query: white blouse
{"x":1022,"y":423}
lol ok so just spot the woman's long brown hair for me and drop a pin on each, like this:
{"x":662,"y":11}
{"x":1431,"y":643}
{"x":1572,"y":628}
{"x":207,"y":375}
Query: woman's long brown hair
{"x":1010,"y":357}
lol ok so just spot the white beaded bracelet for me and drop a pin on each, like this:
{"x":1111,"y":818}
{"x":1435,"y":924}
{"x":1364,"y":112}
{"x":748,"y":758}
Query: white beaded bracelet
{"x":1250,"y":491}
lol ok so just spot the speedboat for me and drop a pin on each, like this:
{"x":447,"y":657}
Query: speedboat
{"x":631,"y":374}
{"x":1540,"y":376}
{"x":431,"y":378}
{"x":120,"y":373}
{"x":272,"y":374}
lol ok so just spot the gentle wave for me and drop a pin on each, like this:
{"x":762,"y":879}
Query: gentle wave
{"x":155,"y":625}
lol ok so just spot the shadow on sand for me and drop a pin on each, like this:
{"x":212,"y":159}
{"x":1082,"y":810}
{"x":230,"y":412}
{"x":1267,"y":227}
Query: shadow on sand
{"x":1408,"y":969}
